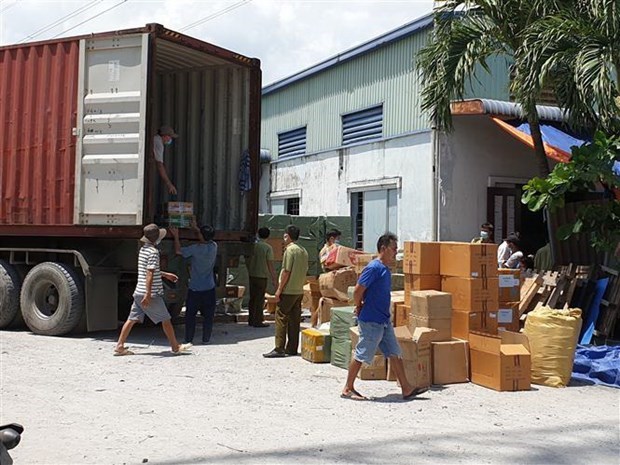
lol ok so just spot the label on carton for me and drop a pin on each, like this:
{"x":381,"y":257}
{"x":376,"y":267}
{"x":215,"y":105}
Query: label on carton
{"x":506,"y":280}
{"x":474,"y":274}
{"x":504,"y":315}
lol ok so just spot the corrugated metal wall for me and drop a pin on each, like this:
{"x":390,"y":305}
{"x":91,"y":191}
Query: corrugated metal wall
{"x":209,"y":109}
{"x":387,"y":75}
{"x":38,"y":94}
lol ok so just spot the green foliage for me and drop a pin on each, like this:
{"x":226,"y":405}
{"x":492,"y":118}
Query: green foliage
{"x":590,"y":166}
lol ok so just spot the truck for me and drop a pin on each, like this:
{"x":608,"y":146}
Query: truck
{"x":78,"y":180}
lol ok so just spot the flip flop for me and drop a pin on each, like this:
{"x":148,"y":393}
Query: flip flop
{"x":353,"y":395}
{"x":414,"y":393}
{"x":123,"y":352}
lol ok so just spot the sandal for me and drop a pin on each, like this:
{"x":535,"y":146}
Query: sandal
{"x":353,"y":395}
{"x":125,"y":351}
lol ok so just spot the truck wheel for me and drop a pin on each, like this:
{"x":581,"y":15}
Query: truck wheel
{"x":52,"y":299}
{"x":10,"y":285}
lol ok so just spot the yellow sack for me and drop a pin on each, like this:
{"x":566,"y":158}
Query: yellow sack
{"x":553,"y":338}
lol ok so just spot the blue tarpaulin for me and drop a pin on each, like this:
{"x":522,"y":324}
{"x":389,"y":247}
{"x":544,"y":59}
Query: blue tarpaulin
{"x":597,"y":365}
{"x":553,"y":136}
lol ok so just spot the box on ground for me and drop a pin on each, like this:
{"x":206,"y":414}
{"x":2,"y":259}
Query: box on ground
{"x":325,"y":308}
{"x":340,"y":257}
{"x":509,"y":284}
{"x":431,"y":304}
{"x":500,"y":362}
{"x":472,"y":293}
{"x":442,"y":326}
{"x":421,"y":258}
{"x":450,"y":360}
{"x":341,"y":353}
{"x":316,"y":345}
{"x":377,"y":369}
{"x":466,"y":260}
{"x":416,"y":354}
{"x":420,"y":282}
{"x":335,"y":284}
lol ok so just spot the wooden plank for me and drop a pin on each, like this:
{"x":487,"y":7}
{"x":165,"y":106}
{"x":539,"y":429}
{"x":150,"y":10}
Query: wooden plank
{"x":532,"y":292}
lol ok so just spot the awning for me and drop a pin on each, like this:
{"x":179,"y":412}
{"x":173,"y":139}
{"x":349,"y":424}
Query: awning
{"x":557,"y":143}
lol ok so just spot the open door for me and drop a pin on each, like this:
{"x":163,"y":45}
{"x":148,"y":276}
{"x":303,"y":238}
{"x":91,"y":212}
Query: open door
{"x":110,"y":131}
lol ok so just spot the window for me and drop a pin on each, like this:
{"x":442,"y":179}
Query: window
{"x":373,"y":212}
{"x":292,"y":143}
{"x":362,"y":126}
{"x":292,"y":206}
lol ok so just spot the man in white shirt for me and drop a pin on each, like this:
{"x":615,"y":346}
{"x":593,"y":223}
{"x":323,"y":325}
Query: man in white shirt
{"x":503,"y":251}
{"x":164,"y":137}
{"x":515,"y":253}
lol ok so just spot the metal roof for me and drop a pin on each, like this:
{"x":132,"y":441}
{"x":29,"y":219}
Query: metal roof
{"x":501,"y":108}
{"x":367,"y":47}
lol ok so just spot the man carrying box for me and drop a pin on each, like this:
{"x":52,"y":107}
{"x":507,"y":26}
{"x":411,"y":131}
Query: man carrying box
{"x":372,"y":306}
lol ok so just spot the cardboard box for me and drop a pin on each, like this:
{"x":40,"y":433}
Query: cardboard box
{"x":362,"y":260}
{"x":341,"y":320}
{"x":401,"y":315}
{"x":431,"y":304}
{"x":450,"y":361}
{"x":340,"y":257}
{"x":376,"y":370}
{"x":500,"y":362}
{"x":421,"y":258}
{"x":325,"y":308}
{"x":466,"y":260}
{"x":313,"y":283}
{"x":472,"y":293}
{"x":316,"y":346}
{"x":442,"y":326}
{"x":232,"y":292}
{"x":335,"y":284}
{"x":416,"y":354}
{"x":420,"y":282}
{"x":341,"y":353}
{"x":310,"y":301}
{"x":508,"y":317}
{"x":489,"y":322}
{"x":509,"y":285}
{"x":179,"y":220}
{"x":186,"y":208}
{"x":270,"y":303}
{"x":464,"y":322}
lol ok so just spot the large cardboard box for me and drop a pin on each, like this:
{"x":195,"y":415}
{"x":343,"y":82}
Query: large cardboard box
{"x":335,"y":284}
{"x":325,"y":308}
{"x":489,"y":322}
{"x":508,"y":317}
{"x":464,"y":322}
{"x":341,"y":353}
{"x":377,"y":369}
{"x":472,"y":293}
{"x":420,"y":282}
{"x":466,"y":260}
{"x":450,"y":360}
{"x":341,"y":320}
{"x":340,"y":257}
{"x":310,"y":300}
{"x":316,"y":345}
{"x":509,"y":281}
{"x":442,"y":326}
{"x":401,"y":315}
{"x":500,"y":362}
{"x":416,"y":354}
{"x":362,"y":260}
{"x":431,"y":304}
{"x":421,"y":258}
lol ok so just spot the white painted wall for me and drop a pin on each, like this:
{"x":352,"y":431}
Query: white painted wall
{"x":327,"y":179}
{"x":476,"y":149}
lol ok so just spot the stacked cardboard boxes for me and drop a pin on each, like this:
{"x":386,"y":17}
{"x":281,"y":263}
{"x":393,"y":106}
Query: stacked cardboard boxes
{"x":432,"y":309}
{"x":334,"y":290}
{"x":469,"y":273}
{"x":325,"y":308}
{"x":421,"y":267}
{"x":509,"y":281}
{"x":341,"y":321}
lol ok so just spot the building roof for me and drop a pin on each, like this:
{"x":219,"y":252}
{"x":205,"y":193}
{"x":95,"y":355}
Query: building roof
{"x":483,"y":106}
{"x":367,"y":47}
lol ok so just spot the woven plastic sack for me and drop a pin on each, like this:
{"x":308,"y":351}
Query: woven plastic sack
{"x":553,"y":335}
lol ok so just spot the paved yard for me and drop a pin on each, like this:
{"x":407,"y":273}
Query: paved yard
{"x":225,"y":403}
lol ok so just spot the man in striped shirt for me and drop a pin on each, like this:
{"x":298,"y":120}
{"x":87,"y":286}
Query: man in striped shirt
{"x":148,"y":298}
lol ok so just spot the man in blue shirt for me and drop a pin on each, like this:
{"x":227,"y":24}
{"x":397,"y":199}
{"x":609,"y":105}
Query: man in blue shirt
{"x":201,"y":293}
{"x":372,"y":306}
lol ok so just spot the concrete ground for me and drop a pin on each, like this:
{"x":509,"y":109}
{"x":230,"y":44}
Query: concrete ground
{"x":225,"y":403}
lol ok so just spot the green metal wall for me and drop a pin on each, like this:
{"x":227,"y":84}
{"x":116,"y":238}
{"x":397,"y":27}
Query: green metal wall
{"x":387,"y":75}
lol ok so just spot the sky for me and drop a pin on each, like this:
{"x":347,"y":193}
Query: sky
{"x":286,"y":35}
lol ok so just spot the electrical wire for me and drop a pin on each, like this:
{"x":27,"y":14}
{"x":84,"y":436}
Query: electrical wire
{"x":90,"y":19}
{"x":214,"y":15}
{"x":8,"y":7}
{"x":74,"y":13}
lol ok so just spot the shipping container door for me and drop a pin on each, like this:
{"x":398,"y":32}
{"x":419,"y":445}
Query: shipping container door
{"x":111,"y":127}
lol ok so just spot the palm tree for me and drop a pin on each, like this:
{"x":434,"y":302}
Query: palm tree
{"x":576,"y":51}
{"x":467,"y":34}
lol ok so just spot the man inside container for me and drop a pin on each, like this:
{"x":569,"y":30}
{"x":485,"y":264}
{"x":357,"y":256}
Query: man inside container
{"x":289,"y":295}
{"x":260,"y":267}
{"x":372,"y":306}
{"x":163,"y":138}
{"x":332,"y":240}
